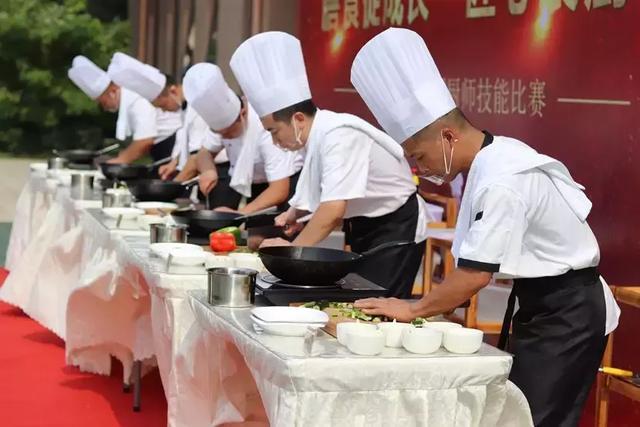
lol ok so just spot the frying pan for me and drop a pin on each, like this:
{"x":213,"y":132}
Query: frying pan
{"x":300,"y":265}
{"x":125,"y":172}
{"x":157,"y":190}
{"x":84,"y":156}
{"x":202,"y":222}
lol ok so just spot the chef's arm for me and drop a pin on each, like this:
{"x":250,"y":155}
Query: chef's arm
{"x":324,"y":220}
{"x":189,"y":170}
{"x":205,"y":160}
{"x":275,"y":194}
{"x":134,"y":151}
{"x":460,"y":285}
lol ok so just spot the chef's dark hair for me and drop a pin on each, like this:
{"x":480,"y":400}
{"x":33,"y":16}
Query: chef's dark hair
{"x":308,"y":108}
{"x":170,"y":81}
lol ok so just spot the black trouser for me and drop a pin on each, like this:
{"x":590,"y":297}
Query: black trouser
{"x":223,"y":194}
{"x":557,"y":343}
{"x":161,"y":150}
{"x":393,"y":269}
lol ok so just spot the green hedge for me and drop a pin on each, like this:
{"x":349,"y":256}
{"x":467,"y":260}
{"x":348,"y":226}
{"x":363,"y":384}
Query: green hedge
{"x":40,"y":108}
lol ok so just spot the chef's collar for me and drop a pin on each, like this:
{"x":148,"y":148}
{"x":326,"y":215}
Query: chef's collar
{"x":488,"y":139}
{"x":184,"y":105}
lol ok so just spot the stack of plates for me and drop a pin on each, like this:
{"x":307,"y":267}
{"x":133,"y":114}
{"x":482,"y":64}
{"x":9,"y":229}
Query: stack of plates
{"x":181,"y":253}
{"x":287,"y":321}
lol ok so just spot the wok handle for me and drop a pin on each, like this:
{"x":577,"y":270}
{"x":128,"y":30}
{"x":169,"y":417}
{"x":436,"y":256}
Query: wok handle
{"x":190,"y":182}
{"x":159,"y":162}
{"x":108,"y":149}
{"x":387,"y":245}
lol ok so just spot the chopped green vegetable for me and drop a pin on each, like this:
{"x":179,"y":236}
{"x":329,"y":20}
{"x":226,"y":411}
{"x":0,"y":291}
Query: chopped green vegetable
{"x":419,"y":322}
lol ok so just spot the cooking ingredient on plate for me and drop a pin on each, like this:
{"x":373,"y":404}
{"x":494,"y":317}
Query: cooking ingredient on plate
{"x":344,"y":309}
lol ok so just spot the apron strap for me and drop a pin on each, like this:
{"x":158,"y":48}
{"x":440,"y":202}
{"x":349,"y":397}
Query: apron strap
{"x":506,"y":322}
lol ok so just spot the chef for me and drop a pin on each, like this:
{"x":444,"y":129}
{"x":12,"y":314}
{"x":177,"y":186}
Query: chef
{"x":140,"y":80}
{"x":522,"y":217}
{"x":260,"y":171}
{"x":352,"y":170}
{"x":136,"y":116}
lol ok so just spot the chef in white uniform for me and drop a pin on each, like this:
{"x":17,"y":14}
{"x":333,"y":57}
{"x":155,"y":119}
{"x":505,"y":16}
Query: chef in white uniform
{"x":260,"y":171}
{"x":352,"y":170}
{"x":137,"y":118}
{"x":140,"y":80}
{"x":522,"y":217}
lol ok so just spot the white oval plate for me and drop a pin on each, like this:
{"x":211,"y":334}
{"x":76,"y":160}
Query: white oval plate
{"x":283,"y":314}
{"x":156,"y":205}
{"x":285,"y":329}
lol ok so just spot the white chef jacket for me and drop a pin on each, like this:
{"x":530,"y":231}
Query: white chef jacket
{"x":521,"y":224}
{"x":190,"y":136}
{"x":271,"y":163}
{"x":357,"y":169}
{"x":138,"y":119}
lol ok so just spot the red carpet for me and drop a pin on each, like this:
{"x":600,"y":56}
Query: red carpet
{"x":38,"y":389}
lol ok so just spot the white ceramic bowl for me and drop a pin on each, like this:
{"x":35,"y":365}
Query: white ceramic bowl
{"x":343,"y":328}
{"x":365,"y":343}
{"x":441,"y":326}
{"x":38,"y":167}
{"x":127,"y":213}
{"x":145,"y":221}
{"x":393,"y":332}
{"x":421,"y":340}
{"x":462,"y":340}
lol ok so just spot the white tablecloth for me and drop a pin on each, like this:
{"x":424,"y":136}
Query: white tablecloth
{"x":239,"y":375}
{"x":45,"y":246}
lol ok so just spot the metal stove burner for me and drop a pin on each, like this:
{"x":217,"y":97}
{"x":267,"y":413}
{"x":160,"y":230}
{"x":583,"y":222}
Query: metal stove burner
{"x":273,"y":280}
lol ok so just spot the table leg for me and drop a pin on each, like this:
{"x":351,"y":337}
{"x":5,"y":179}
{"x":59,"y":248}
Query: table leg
{"x":137,"y":384}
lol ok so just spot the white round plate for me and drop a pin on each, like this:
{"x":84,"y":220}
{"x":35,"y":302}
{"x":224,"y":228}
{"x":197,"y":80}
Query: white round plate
{"x":156,"y":205}
{"x":163,"y":249}
{"x":127,"y":213}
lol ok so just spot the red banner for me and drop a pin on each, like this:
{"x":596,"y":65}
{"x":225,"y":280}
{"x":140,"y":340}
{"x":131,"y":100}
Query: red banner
{"x":561,"y":75}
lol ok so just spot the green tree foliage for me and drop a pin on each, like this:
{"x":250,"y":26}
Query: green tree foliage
{"x":40,"y":108}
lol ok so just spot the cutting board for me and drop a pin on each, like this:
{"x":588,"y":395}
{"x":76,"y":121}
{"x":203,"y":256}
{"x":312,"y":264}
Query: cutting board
{"x":335,"y":317}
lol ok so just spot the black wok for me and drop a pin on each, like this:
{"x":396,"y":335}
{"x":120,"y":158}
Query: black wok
{"x":157,"y":190}
{"x":298,"y":265}
{"x":84,"y":156}
{"x":126,"y":172}
{"x":202,"y":223}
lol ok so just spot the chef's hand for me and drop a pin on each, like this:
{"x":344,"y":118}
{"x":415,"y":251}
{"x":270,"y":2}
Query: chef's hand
{"x":287,"y":220}
{"x":115,"y":161}
{"x":225,"y":209}
{"x":207,"y":181}
{"x":166,"y":171}
{"x":274,"y":242}
{"x":392,"y":308}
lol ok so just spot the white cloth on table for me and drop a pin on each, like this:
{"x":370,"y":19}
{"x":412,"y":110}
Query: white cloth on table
{"x":233,"y":365}
{"x":108,"y":311}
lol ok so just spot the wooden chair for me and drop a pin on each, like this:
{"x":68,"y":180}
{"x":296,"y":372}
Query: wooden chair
{"x":606,"y":384}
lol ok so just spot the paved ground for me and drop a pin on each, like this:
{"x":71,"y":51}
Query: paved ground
{"x":13,"y":175}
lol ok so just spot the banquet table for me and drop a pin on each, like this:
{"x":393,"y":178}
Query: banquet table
{"x":100,"y":289}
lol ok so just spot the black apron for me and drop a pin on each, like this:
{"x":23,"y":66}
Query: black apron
{"x":163,"y":149}
{"x":557,"y":343}
{"x":223,"y":194}
{"x":393,"y":269}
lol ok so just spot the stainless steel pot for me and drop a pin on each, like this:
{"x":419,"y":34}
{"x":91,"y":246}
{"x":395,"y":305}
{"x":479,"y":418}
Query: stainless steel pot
{"x":231,"y":287}
{"x":82,"y":186}
{"x":168,"y":233}
{"x":116,"y":199}
{"x":57,"y":163}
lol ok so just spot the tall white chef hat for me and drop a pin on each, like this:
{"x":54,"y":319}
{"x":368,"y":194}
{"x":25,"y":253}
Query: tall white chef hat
{"x":207,"y":92}
{"x":90,"y":78}
{"x":397,"y":78}
{"x":270,"y":69}
{"x":143,"y":79}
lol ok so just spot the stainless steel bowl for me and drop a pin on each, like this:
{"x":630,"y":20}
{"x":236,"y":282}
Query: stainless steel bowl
{"x":82,"y":186}
{"x":57,"y":163}
{"x":116,"y":199}
{"x":231,"y":287}
{"x":168,"y":233}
